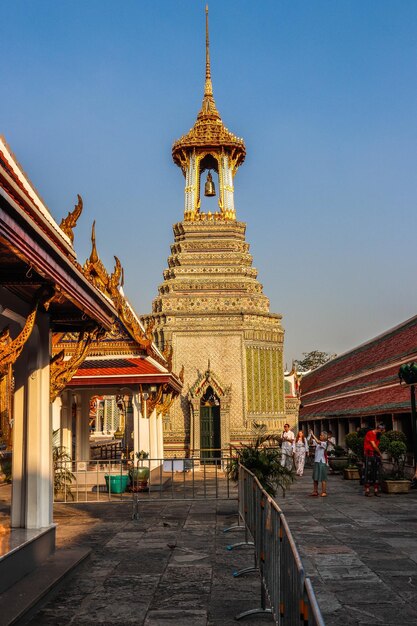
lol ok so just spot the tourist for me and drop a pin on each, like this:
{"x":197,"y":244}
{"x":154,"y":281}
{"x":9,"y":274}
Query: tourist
{"x":372,"y":456}
{"x":311,"y":444}
{"x":300,"y":448}
{"x":287,"y":447}
{"x":320,"y":464}
{"x":331,"y":442}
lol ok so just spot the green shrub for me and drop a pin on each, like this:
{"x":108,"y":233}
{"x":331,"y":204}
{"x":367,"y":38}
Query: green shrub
{"x":262,"y":457}
{"x":354,"y":443}
{"x":393,"y":443}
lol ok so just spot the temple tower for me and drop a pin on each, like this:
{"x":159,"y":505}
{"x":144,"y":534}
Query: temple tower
{"x":210,"y":307}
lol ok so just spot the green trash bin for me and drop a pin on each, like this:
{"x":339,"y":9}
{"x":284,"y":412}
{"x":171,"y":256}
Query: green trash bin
{"x":116,"y":483}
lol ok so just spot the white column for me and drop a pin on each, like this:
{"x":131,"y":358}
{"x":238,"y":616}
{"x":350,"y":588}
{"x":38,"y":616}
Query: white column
{"x":160,"y":436}
{"x":137,"y":444}
{"x":190,"y":187}
{"x":66,"y":420}
{"x":32,"y":493}
{"x":227,"y":187}
{"x":56,"y":417}
{"x":82,"y":443}
{"x":141,"y":424}
{"x":19,"y":444}
{"x":153,"y":435}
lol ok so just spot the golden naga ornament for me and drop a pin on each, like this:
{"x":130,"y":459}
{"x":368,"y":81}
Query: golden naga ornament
{"x":11,"y":349}
{"x":110,"y":285}
{"x":154,"y":399}
{"x":62,"y":370}
{"x":162,"y":408}
{"x":69,"y":223}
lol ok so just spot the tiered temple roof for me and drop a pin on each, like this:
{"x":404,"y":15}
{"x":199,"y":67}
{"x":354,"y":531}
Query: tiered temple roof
{"x":363,"y":381}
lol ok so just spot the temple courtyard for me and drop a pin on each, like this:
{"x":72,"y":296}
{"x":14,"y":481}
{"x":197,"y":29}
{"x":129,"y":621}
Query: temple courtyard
{"x":172,"y":566}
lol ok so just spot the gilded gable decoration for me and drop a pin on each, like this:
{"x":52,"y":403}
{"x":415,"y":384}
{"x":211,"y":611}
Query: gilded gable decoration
{"x":69,"y":223}
{"x":110,"y":285}
{"x":205,"y":380}
{"x":62,"y":370}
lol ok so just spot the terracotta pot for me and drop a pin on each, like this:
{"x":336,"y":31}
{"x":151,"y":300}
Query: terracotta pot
{"x":351,"y":473}
{"x":395,"y":486}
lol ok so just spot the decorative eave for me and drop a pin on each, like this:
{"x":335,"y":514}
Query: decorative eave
{"x":110,"y":372}
{"x":36,"y":253}
{"x":15,"y":182}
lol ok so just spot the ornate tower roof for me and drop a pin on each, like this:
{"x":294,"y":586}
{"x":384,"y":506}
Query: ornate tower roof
{"x":208,"y":132}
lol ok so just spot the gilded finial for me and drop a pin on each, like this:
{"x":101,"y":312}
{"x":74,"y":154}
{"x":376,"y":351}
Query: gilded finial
{"x":68,"y":223}
{"x":208,"y":90}
{"x":93,"y":255}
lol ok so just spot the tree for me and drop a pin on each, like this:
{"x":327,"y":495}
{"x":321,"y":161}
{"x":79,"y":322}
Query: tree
{"x":313,"y":359}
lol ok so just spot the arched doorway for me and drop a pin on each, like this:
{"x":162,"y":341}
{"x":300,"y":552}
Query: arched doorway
{"x":210,"y":440}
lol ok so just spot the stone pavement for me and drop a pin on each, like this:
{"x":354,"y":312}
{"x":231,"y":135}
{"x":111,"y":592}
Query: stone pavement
{"x":361,"y":553}
{"x":170,"y":567}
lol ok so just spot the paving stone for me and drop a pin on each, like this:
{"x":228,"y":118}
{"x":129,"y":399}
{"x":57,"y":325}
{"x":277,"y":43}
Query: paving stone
{"x":175,"y":618}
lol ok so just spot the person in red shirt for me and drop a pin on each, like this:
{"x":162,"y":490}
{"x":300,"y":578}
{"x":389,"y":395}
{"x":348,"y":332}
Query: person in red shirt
{"x":372,"y":455}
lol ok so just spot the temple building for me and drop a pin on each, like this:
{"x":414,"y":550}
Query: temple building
{"x":362,"y":386}
{"x":67,"y":334}
{"x":210,"y":308}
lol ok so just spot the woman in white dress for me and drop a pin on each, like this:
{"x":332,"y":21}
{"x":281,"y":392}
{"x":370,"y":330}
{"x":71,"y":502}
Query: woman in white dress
{"x":300,"y":448}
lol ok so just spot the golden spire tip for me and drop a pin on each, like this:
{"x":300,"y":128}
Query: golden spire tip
{"x":208,"y":87}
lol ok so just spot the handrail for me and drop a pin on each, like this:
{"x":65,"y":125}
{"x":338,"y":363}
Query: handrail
{"x":284,"y":584}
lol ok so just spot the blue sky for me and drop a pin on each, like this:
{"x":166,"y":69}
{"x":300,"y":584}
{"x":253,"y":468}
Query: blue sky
{"x":94,"y":92}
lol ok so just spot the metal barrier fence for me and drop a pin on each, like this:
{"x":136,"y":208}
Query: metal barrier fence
{"x":146,"y":480}
{"x":284,"y":584}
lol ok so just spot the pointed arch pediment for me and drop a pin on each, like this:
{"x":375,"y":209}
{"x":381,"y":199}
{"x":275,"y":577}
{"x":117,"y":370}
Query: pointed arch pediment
{"x":205,"y":380}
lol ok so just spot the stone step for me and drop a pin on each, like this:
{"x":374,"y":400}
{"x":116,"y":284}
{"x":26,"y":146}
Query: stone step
{"x":20,"y":602}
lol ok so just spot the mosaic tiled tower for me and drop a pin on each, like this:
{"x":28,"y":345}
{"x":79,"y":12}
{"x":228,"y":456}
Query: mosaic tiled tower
{"x":210,"y":307}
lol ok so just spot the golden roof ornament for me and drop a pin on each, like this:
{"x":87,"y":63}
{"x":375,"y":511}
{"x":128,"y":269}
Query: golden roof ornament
{"x":208,"y":130}
{"x":109,"y":285}
{"x":69,"y":223}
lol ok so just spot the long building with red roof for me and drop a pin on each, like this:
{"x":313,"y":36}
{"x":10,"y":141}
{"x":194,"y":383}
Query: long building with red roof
{"x":362,"y":385}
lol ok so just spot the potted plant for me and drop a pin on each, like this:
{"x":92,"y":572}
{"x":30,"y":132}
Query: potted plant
{"x":262,"y":457}
{"x":139,"y":475}
{"x":62,"y":464}
{"x":351,"y":471}
{"x":338,"y":459}
{"x":354,"y":444}
{"x":393,"y":444}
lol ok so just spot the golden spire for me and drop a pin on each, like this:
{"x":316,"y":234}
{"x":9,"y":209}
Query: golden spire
{"x":208,"y":130}
{"x":208,"y":90}
{"x":208,"y":108}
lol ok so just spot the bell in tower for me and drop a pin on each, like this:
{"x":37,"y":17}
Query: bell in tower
{"x":209,"y":189}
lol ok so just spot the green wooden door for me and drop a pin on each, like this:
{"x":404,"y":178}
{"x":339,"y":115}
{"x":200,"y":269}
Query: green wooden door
{"x":210,"y":431}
